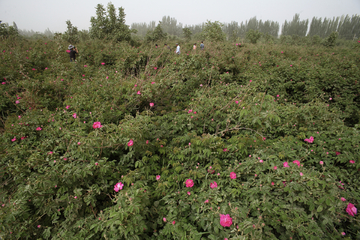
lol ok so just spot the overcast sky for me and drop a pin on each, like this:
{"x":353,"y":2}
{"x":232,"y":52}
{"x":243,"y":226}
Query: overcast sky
{"x":39,"y":15}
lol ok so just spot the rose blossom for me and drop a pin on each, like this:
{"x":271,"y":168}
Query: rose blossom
{"x":189,"y":183}
{"x":297,"y":162}
{"x":118,"y":186}
{"x":97,"y":125}
{"x":225,"y":220}
{"x":213,"y":185}
{"x":233,"y":175}
{"x":351,"y":209}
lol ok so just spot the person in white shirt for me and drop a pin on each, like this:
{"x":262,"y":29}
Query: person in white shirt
{"x":177,"y":49}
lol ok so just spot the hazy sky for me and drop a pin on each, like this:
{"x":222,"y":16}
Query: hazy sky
{"x":39,"y":15}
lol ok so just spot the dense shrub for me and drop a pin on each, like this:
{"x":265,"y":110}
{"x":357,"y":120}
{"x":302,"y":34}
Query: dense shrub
{"x":190,"y":137}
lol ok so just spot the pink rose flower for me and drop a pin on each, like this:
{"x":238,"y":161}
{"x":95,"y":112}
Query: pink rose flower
{"x":213,"y":185}
{"x":297,"y":162}
{"x":96,"y":164}
{"x":310,"y":140}
{"x":75,"y":197}
{"x":352,"y":161}
{"x":14,"y":139}
{"x":225,"y":220}
{"x":343,"y":199}
{"x":206,"y":201}
{"x":157,"y":177}
{"x":272,"y":183}
{"x":286,"y":164}
{"x":38,"y":129}
{"x":130,"y":143}
{"x":275,"y":167}
{"x":173,"y":223}
{"x":351,"y":209}
{"x":189,"y":193}
{"x":138,"y":92}
{"x":151,"y":104}
{"x":189,"y":183}
{"x":102,"y":63}
{"x":233,"y":175}
{"x":74,"y":115}
{"x":147,"y":141}
{"x":97,"y":125}
{"x":39,"y":226}
{"x":67,"y":107}
{"x":301,"y":174}
{"x":118,"y":186}
{"x":164,"y":219}
{"x":321,"y":163}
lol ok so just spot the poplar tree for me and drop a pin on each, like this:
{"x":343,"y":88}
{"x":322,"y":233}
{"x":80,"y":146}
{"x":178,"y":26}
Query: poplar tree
{"x":109,"y":25}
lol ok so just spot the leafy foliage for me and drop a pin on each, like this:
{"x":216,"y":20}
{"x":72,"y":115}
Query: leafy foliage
{"x":72,"y":34}
{"x":156,"y":35}
{"x":218,"y":112}
{"x":109,"y":25}
{"x":253,"y":36}
{"x":213,"y":32}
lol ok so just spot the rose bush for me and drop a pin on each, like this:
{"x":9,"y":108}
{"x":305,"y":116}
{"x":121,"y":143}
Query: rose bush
{"x":225,"y":132}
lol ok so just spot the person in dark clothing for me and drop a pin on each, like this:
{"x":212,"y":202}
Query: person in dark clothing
{"x":73,"y":52}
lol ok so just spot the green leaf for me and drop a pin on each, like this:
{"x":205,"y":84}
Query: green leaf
{"x":320,"y":208}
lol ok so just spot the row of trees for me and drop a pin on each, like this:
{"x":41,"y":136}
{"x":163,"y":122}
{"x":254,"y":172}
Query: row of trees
{"x":107,"y":24}
{"x":347,"y":27}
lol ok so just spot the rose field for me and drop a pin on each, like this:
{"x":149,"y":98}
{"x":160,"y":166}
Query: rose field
{"x":132,"y":141}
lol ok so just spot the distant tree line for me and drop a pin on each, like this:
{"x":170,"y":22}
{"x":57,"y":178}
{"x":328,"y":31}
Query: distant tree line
{"x":346,"y":26}
{"x":109,"y":24}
